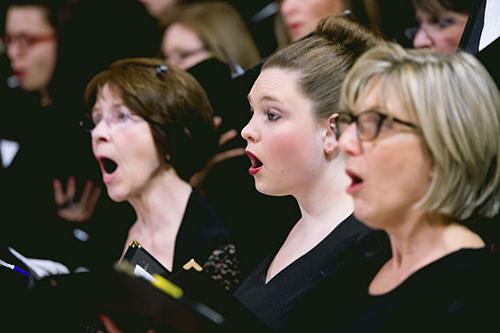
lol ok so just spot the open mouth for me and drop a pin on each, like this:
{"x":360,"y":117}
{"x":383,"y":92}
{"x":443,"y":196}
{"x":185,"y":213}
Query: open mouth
{"x":108,"y":165}
{"x":356,"y":181}
{"x":256,"y":163}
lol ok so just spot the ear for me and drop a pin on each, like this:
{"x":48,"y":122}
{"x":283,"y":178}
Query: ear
{"x":330,"y":143}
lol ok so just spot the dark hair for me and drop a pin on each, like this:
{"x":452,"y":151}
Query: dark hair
{"x":434,"y":7}
{"x":172,"y":101}
{"x":54,"y":10}
{"x":324,"y":58}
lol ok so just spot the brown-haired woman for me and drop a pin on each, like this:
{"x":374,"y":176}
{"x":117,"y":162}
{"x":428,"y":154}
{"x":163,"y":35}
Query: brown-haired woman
{"x":151,"y":128}
{"x":441,"y":24}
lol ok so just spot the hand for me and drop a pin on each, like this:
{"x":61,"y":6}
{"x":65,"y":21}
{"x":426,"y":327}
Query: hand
{"x":111,"y":327}
{"x":73,"y":211}
{"x":198,"y":178}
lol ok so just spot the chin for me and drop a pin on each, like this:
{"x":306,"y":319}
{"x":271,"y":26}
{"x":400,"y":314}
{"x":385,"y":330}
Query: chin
{"x":117,"y":196}
{"x":272,"y":191}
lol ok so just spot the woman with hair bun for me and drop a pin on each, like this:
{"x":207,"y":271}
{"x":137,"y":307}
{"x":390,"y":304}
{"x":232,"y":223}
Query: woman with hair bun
{"x":293,"y":151}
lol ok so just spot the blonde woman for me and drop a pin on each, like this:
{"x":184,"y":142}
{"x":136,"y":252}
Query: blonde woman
{"x":423,"y":156}
{"x":204,"y":30}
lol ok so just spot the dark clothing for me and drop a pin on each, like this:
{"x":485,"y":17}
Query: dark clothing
{"x":272,"y":302}
{"x":452,"y":294}
{"x":202,"y":236}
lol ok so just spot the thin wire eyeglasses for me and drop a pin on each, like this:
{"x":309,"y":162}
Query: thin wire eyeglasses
{"x":115,"y":119}
{"x":368,"y":123}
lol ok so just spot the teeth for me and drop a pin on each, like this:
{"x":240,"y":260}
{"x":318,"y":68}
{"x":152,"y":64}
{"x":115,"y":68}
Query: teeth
{"x":109,"y":165}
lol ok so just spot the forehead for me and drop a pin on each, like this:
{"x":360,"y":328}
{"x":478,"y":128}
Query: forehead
{"x":107,"y":95}
{"x":27,"y":19}
{"x":180,"y":34}
{"x":378,"y":95}
{"x":280,"y":83}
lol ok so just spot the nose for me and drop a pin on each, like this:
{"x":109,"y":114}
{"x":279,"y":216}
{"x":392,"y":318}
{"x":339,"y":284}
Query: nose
{"x":287,"y":7}
{"x":422,"y":39}
{"x":14,"y":51}
{"x":100,"y":133}
{"x":349,"y":142}
{"x":249,"y":133}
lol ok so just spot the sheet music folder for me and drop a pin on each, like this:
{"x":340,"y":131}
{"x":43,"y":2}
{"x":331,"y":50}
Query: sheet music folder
{"x":73,"y":302}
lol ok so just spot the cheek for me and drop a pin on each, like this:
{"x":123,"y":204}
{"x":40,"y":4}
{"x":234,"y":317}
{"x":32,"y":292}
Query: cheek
{"x":403,"y":172}
{"x":292,"y":151}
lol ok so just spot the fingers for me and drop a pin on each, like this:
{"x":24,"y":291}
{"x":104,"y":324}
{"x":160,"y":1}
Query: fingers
{"x":59,"y":196}
{"x":227,"y":136}
{"x":76,"y":211}
{"x":110,"y":326}
{"x":227,"y":155}
{"x":217,"y":121}
{"x":71,"y":189}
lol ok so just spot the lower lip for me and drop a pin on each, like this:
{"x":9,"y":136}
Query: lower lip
{"x":252,"y":171}
{"x":353,"y":188}
{"x":107,"y":178}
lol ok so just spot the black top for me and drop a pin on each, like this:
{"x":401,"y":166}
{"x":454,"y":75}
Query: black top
{"x":453,"y":294}
{"x":272,"y":302}
{"x":203,"y":237}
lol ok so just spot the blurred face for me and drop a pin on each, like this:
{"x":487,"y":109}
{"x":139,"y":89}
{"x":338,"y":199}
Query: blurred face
{"x":31,"y":46}
{"x":285,"y":143}
{"x":156,"y":8}
{"x":302,"y":16}
{"x":123,"y":145}
{"x":389,"y":173}
{"x":182,"y":47}
{"x":442,"y":33}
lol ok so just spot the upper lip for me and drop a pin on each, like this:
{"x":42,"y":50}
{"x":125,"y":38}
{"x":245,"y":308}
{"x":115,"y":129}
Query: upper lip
{"x":253,"y":159}
{"x":353,"y":175}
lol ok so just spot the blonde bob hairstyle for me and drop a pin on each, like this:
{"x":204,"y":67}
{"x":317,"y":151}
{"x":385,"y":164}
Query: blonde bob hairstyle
{"x":456,"y":105}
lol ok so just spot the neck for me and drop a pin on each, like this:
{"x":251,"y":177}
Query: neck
{"x":424,"y":238}
{"x":325,"y":199}
{"x":162,"y":204}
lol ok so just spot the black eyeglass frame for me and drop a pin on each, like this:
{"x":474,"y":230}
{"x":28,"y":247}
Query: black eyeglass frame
{"x":352,"y":118}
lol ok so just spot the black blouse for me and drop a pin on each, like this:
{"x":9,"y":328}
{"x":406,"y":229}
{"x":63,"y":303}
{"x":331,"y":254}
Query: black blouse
{"x":203,"y":237}
{"x":272,"y":302}
{"x":455,"y":293}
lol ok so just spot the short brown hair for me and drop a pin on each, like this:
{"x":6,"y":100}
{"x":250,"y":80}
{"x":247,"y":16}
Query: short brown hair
{"x":172,"y":101}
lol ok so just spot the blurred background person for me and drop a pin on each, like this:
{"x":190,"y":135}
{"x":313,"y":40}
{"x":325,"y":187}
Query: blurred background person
{"x":210,"y":29}
{"x":51,"y":176}
{"x":441,"y":24}
{"x":298,"y":18}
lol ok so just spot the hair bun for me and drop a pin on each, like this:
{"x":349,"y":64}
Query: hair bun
{"x":350,"y":35}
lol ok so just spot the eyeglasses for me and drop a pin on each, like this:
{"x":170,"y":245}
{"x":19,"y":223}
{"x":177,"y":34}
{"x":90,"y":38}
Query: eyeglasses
{"x":368,"y":123}
{"x":115,"y":119}
{"x":179,"y":57}
{"x":26,"y":41}
{"x":430,"y":28}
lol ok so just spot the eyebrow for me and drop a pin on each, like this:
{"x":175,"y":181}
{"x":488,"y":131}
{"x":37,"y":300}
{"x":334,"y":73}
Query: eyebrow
{"x":265,"y":98}
{"x":113,"y":106}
